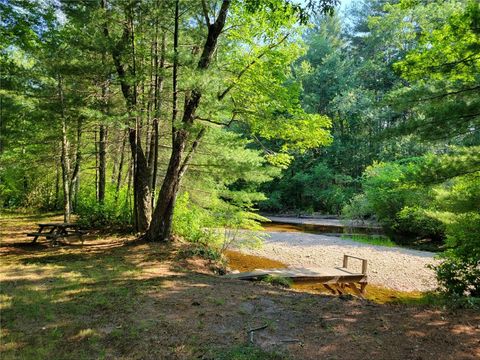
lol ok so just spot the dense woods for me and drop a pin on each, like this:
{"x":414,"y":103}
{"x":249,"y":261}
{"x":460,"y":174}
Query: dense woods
{"x":187,"y":116}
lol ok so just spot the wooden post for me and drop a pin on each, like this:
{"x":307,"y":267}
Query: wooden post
{"x":364,"y":267}
{"x":345,"y":261}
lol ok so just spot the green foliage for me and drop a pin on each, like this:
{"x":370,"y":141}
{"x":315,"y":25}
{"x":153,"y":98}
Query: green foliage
{"x":347,"y":74}
{"x":443,"y":206}
{"x":442,"y":69}
{"x":217,"y":226}
{"x":459,"y":272}
{"x":358,"y":208}
{"x":371,"y":239}
{"x":313,"y":188}
{"x":458,"y":277}
{"x":277,"y":280}
{"x":203,"y":251}
{"x":248,"y":352}
{"x":114,"y":211}
{"x":419,"y":222}
{"x":194,"y":223}
{"x":399,"y":205}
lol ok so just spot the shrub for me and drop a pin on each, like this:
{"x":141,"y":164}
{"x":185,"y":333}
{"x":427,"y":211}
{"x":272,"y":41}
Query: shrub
{"x":398,"y":204}
{"x":113,"y":212}
{"x":194,"y":223}
{"x":459,"y":272}
{"x":203,"y":251}
{"x":316,"y":188}
{"x":417,"y":222}
{"x":359,"y":208}
{"x":219,"y":226}
{"x":276,"y":280}
{"x":457,"y":276}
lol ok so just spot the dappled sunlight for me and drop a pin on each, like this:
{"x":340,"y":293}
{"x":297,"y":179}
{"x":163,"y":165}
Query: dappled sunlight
{"x":144,"y":302}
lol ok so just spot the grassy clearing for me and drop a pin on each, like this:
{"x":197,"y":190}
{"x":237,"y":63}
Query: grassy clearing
{"x":108,"y":300}
{"x":53,"y":300}
{"x":371,"y":240}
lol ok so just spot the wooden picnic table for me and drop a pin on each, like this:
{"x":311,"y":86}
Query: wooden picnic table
{"x":54,"y":231}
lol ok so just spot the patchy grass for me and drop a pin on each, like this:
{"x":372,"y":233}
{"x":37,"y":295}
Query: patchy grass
{"x":371,"y":240}
{"x":116,"y":299}
{"x":248,"y":352}
{"x":276,"y":280}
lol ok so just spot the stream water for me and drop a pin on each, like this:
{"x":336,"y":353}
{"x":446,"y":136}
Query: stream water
{"x":317,"y":228}
{"x":245,"y":262}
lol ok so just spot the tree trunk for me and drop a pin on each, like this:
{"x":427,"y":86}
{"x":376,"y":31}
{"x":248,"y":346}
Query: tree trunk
{"x":96,"y":164}
{"x":141,"y":184}
{"x":161,"y":223}
{"x":102,"y":163}
{"x":120,"y":166}
{"x":75,"y":176}
{"x":157,"y":106}
{"x":154,"y":166}
{"x":141,"y":176}
{"x":65,"y":160}
{"x":57,"y":186}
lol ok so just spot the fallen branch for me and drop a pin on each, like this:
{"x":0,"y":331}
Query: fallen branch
{"x":251,"y":332}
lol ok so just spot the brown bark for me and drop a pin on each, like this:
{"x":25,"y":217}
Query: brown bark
{"x":75,"y":176}
{"x":65,"y":160}
{"x":102,"y":163}
{"x":57,"y":185}
{"x":161,"y":219}
{"x":154,"y":165}
{"x":159,"y":81}
{"x":120,"y":166}
{"x":141,"y":184}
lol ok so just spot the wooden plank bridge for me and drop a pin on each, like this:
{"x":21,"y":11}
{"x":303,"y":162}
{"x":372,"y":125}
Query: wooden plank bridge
{"x":336,"y":280}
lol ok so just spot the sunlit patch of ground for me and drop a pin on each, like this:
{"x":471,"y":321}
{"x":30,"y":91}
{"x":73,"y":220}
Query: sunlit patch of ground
{"x":113,"y":298}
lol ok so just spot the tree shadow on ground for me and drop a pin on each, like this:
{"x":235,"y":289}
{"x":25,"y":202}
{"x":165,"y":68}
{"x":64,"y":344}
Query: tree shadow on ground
{"x":131,"y":302}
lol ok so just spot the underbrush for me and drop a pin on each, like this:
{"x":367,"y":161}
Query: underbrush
{"x":218,"y":227}
{"x":202,"y":251}
{"x":115,"y":212}
{"x":441,"y":300}
{"x":370,"y":239}
{"x":277,"y":280}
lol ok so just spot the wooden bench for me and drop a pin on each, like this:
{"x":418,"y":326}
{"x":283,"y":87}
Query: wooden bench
{"x":336,"y":280}
{"x":55,"y":231}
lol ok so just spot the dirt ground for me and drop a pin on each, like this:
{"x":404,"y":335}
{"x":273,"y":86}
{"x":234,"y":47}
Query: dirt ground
{"x":114,"y":299}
